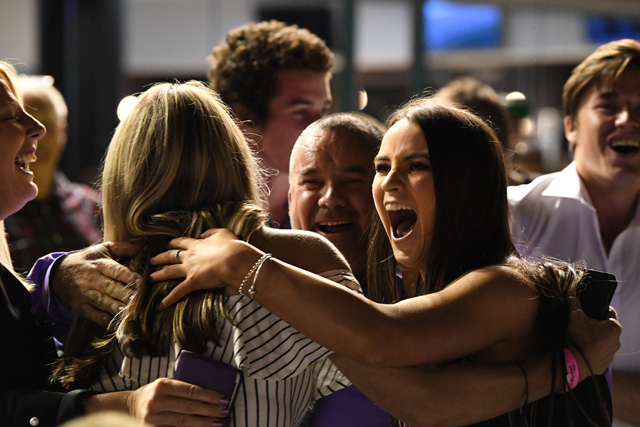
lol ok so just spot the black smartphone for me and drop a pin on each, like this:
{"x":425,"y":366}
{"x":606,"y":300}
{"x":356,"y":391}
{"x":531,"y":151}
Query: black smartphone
{"x":596,"y":292}
{"x":205,"y":372}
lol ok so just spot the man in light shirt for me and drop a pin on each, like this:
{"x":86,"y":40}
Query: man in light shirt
{"x":591,"y":210}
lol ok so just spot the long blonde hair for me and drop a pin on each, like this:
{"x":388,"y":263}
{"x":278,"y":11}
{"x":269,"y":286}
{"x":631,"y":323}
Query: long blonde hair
{"x":178,"y":149}
{"x":8,"y":74}
{"x":177,"y":165}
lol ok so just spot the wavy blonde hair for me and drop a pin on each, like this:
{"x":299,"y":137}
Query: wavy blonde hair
{"x":8,"y":74}
{"x":177,"y":165}
{"x":178,"y":149}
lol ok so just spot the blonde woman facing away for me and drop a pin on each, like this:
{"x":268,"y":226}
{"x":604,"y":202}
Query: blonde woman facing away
{"x":176,"y":166}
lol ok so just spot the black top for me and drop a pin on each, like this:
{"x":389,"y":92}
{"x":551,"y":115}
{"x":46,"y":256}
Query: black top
{"x":26,"y":357}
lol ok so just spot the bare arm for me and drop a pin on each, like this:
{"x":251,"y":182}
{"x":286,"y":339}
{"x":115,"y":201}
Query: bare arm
{"x":459,"y":394}
{"x":465,"y":317}
{"x":448,"y":395}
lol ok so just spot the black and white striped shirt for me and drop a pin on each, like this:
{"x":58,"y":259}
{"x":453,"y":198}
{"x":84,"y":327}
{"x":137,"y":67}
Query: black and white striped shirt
{"x":282,"y":372}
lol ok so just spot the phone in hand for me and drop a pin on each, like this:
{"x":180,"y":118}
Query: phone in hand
{"x":205,"y":372}
{"x":596,"y":292}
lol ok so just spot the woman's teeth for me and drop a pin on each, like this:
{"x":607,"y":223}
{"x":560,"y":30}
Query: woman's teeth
{"x":24,"y":160}
{"x":393,"y":207}
{"x":402,"y":219}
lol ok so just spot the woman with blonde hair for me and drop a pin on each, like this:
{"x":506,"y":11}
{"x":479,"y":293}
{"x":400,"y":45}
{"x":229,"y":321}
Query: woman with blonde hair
{"x":178,"y":165}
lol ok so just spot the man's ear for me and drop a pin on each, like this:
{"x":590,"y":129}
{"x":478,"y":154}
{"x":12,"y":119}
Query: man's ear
{"x":246,"y":122}
{"x":245,"y":116}
{"x":570,"y":132}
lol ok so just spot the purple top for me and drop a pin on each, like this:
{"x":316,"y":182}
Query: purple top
{"x":46,"y":307}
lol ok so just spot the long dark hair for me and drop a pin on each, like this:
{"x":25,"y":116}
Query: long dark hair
{"x":471,"y":228}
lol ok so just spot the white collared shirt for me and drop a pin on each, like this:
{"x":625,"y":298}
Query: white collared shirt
{"x":553,"y":215}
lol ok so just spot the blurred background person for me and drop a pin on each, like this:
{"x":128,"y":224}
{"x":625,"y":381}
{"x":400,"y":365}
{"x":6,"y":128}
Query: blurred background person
{"x":484,"y":102}
{"x":64,"y":216}
{"x":524,"y":138}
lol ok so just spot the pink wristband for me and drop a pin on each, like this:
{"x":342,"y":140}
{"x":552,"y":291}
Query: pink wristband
{"x":573,"y":374}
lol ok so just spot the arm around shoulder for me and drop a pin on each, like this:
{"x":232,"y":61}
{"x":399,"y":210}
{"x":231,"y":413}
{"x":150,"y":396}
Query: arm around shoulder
{"x":304,"y":249}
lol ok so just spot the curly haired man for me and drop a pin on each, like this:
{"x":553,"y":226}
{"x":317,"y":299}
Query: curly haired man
{"x":275,"y":78}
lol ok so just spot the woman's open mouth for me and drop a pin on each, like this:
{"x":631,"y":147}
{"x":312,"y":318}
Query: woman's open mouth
{"x":24,"y":160}
{"x":402,"y":219}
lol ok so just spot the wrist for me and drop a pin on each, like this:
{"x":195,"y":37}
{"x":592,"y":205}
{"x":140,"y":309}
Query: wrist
{"x":582,"y":363}
{"x":572,"y":370}
{"x":56,"y":275}
{"x":253,"y":271}
{"x":119,"y":401}
{"x":241,"y":264}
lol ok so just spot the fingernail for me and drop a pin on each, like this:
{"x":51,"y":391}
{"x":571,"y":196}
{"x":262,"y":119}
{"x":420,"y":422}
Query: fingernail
{"x":120,"y":307}
{"x":138,"y":282}
{"x":224,"y":412}
{"x":160,"y":306}
{"x":131,"y":297}
{"x":105,"y":320}
{"x":224,"y":402}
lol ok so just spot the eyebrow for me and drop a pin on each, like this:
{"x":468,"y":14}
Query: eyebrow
{"x":407,"y":157}
{"x":11,"y":104}
{"x":608,"y":94}
{"x":352,"y":169}
{"x":305,"y":102}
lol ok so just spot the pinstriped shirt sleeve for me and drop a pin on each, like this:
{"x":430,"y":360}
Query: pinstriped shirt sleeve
{"x":268,"y":348}
{"x":328,"y":378}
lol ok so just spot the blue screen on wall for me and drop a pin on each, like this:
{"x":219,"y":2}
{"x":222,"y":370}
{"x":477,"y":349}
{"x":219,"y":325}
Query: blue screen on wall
{"x":455,"y":25}
{"x":603,"y":30}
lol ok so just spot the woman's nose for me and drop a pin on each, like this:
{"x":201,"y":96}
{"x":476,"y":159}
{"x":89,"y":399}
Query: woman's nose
{"x":392,"y":181}
{"x":35,"y":129}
